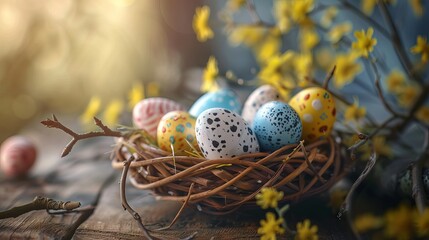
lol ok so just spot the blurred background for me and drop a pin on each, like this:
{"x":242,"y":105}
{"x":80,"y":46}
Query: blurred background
{"x":55,"y":55}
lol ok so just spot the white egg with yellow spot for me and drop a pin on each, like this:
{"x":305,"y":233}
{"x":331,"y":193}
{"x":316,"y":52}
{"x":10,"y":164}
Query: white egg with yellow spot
{"x":316,"y":108}
{"x":177,"y":129}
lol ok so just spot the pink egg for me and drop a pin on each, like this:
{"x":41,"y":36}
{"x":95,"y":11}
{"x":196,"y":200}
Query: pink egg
{"x":17,"y":156}
{"x":148,"y":112}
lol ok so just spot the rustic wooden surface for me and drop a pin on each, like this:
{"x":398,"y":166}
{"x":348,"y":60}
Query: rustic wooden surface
{"x":87,"y":176}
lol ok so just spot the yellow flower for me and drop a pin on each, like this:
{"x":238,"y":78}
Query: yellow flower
{"x":234,"y":5}
{"x":337,"y":32}
{"x":304,"y":231}
{"x":300,"y":10}
{"x":354,"y":113}
{"x":270,"y":227}
{"x":91,"y":110}
{"x":368,"y":5}
{"x":112,"y":112}
{"x":365,"y":43}
{"x":366,"y":222}
{"x":210,"y":74}
{"x":152,"y":89}
{"x":268,"y":198}
{"x":417,"y":7}
{"x":400,"y":223}
{"x":135,"y":95}
{"x":421,"y":47}
{"x":381,"y":147}
{"x":200,"y":24}
{"x":327,"y":18}
{"x":422,"y":223}
{"x":408,"y":95}
{"x":269,"y":47}
{"x":276,"y":68}
{"x":247,"y":34}
{"x":283,"y":15}
{"x":308,"y":39}
{"x":395,"y":81}
{"x":302,"y":64}
{"x":325,"y":58}
{"x":423,"y":114}
{"x":347,"y":69}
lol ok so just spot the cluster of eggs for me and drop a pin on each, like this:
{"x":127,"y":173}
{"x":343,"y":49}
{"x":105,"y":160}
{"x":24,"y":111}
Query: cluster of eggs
{"x":219,"y":127}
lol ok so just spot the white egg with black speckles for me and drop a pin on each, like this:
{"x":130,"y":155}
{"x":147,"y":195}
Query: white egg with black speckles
{"x":276,"y":124}
{"x":222,"y":133}
{"x":260,"y":96}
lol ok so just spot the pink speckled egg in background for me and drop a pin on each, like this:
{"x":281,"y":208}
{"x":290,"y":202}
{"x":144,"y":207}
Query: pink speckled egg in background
{"x":148,"y":112}
{"x":17,"y":156}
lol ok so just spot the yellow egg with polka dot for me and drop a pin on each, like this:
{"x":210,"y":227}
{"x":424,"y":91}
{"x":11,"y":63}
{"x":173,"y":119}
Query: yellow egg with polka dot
{"x":176,"y":129}
{"x":316,"y":108}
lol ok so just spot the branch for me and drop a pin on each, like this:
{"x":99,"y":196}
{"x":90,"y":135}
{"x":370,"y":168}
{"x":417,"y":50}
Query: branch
{"x":124,"y":201}
{"x":397,"y":42}
{"x":39,"y":203}
{"x":54,"y":123}
{"x":253,"y":13}
{"x":329,"y":77}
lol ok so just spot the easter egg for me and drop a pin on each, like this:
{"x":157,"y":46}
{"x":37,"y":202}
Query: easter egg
{"x":276,"y":124}
{"x":176,"y":129}
{"x":260,"y":96}
{"x":17,"y":156}
{"x":222,"y":98}
{"x":316,"y":108}
{"x":148,"y":112}
{"x":222,"y":133}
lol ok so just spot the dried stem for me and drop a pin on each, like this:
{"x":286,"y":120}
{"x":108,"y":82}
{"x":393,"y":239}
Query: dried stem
{"x":39,"y":203}
{"x":106,"y":132}
{"x":329,"y":77}
{"x":124,"y":201}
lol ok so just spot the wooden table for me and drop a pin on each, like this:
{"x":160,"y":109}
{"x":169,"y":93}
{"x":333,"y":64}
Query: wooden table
{"x":88,"y":177}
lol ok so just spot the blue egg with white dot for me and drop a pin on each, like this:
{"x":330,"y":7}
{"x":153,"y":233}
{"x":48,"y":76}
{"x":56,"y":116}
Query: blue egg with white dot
{"x":222,"y":98}
{"x":276,"y":124}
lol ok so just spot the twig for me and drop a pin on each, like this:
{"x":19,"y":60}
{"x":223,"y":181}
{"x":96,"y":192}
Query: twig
{"x":329,"y":77}
{"x":397,"y":42}
{"x":253,"y":13}
{"x":310,"y":166}
{"x":106,"y":132}
{"x":380,"y":91}
{"x":416,"y":173}
{"x":39,"y":203}
{"x":124,"y":201}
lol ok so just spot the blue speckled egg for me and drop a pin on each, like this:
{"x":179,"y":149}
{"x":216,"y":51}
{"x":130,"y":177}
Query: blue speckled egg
{"x":222,"y":133}
{"x":276,"y":124}
{"x":222,"y":98}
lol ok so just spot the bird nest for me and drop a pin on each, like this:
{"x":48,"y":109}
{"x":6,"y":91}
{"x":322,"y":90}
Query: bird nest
{"x":220,"y":186}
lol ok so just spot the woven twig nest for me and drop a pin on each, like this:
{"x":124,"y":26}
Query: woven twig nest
{"x":221,"y":186}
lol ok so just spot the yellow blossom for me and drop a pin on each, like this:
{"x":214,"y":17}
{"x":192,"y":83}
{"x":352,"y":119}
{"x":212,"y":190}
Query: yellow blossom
{"x":282,"y":14}
{"x":400,"y":223}
{"x":423,"y":114}
{"x":367,"y":222}
{"x":422,"y":223}
{"x":135,"y":95}
{"x":337,"y":32}
{"x":308,"y":39}
{"x":200,"y":24}
{"x":300,"y":9}
{"x":276,"y":68}
{"x":269,"y":47}
{"x":421,"y":47}
{"x":325,"y":58}
{"x":417,"y":7}
{"x":247,"y":34}
{"x":347,"y":69}
{"x":153,"y":89}
{"x":327,"y":18}
{"x":268,"y":198}
{"x":368,"y":5}
{"x":234,"y":5}
{"x":354,"y":113}
{"x":302,"y":64}
{"x":209,"y":76}
{"x":112,"y":112}
{"x":270,"y":227}
{"x":408,"y":95}
{"x":395,"y":81}
{"x":381,"y":147}
{"x":304,"y":231}
{"x":91,"y":110}
{"x":365,"y":43}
